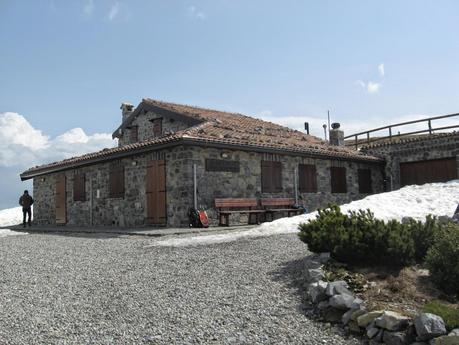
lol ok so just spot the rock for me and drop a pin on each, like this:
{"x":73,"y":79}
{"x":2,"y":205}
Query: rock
{"x":343,"y":302}
{"x":337,"y":288}
{"x":454,"y":332}
{"x":311,"y":263}
{"x":357,"y":313}
{"x":446,"y":340}
{"x":410,"y":333}
{"x":324,"y":257}
{"x":323,"y":305}
{"x":357,"y":303}
{"x":333,"y":315}
{"x":316,"y":291}
{"x":315,"y":274}
{"x":354,"y":327}
{"x":347,"y":316}
{"x":394,"y":338}
{"x":367,"y":318}
{"x":392,"y":321}
{"x":372,"y":331}
{"x":429,"y":326}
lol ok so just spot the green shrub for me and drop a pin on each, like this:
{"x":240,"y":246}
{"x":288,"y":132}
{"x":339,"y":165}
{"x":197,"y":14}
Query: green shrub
{"x":448,"y":313}
{"x":360,"y":238}
{"x":443,"y":259}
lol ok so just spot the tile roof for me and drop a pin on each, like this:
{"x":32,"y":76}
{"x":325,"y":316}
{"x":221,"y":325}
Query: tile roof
{"x":215,"y":128}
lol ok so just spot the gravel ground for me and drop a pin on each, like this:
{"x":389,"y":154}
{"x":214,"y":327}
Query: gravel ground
{"x":58,"y":289}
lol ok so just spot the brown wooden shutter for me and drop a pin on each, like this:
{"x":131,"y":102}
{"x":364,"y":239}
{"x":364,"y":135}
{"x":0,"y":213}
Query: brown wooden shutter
{"x":271,"y":177}
{"x":116,"y":181}
{"x":266,"y":176}
{"x":338,"y":180}
{"x":156,"y":192}
{"x":61,"y":200}
{"x":365,"y":181}
{"x":79,"y":192}
{"x":157,"y":127}
{"x":134,"y":131}
{"x":307,"y":178}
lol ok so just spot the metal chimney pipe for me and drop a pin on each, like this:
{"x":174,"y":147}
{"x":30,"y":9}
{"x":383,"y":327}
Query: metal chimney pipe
{"x":306,"y":127}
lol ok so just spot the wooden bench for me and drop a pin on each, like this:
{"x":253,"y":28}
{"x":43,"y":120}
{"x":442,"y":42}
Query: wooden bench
{"x":229,"y":206}
{"x":274,"y":205}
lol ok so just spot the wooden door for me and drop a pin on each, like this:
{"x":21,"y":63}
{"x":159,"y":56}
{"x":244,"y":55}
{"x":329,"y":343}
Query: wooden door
{"x":436,"y":170}
{"x":156,"y":192}
{"x":61,"y":200}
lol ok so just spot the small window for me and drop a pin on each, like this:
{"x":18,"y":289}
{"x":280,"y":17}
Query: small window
{"x":307,"y":178}
{"x":116,"y":187}
{"x":338,"y":180}
{"x":79,"y":192}
{"x":271,"y":177}
{"x":365,"y":181}
{"x":134,"y":134}
{"x":157,"y":127}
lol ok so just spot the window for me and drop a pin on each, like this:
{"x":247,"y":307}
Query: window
{"x":365,"y":181}
{"x":307,"y":178}
{"x":134,"y":134}
{"x":271,"y":177}
{"x":79,"y":192}
{"x":338,"y":180}
{"x":157,"y":127}
{"x":116,"y":187}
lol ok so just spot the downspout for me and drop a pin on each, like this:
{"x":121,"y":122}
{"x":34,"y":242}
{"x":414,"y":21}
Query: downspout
{"x":195,"y":188}
{"x":295,"y":183}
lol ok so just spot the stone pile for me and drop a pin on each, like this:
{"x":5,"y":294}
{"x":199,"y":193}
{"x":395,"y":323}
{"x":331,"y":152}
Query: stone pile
{"x":334,"y":302}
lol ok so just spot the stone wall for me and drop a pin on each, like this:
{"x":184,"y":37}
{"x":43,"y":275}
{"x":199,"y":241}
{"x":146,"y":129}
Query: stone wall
{"x":145,"y":127}
{"x":131,"y":210}
{"x":412,"y":150}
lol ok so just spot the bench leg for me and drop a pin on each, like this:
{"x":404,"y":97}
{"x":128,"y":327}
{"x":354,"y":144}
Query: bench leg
{"x":223,"y":220}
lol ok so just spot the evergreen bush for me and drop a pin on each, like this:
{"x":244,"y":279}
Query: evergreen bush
{"x":360,"y":238}
{"x":443,"y":259}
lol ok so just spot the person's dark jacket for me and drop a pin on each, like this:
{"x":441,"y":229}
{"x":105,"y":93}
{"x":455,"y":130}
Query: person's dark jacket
{"x":25,"y":201}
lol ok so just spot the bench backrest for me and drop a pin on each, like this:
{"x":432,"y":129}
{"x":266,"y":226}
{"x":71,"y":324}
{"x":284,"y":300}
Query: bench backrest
{"x":235,"y":202}
{"x":278,"y":202}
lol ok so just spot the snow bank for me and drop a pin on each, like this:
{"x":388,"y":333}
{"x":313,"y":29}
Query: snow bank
{"x":11,"y":216}
{"x":438,"y":199}
{"x":8,"y":232}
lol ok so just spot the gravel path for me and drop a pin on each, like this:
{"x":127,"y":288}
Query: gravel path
{"x":120,"y":290}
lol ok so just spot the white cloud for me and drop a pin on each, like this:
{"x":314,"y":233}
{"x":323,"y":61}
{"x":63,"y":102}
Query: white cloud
{"x":373,"y":87}
{"x":23,"y":146}
{"x":114,"y":10}
{"x":88,"y":8}
{"x":381,"y":70}
{"x":196,"y":13}
{"x":370,"y":87}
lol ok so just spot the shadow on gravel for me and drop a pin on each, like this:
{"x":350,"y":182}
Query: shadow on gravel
{"x":291,"y":274}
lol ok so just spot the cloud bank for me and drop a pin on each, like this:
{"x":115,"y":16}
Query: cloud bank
{"x":22,"y":146}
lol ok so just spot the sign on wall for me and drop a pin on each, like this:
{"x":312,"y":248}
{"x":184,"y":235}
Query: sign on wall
{"x":222,"y":165}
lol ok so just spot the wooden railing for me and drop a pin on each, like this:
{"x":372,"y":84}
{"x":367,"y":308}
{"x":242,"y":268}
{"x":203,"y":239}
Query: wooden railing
{"x":368,"y":140}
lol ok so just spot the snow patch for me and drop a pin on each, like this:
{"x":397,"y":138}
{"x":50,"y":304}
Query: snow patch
{"x":8,"y":232}
{"x":11,"y":216}
{"x":438,"y":199}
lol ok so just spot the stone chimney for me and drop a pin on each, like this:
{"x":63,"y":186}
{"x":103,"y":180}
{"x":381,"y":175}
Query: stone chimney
{"x":336,"y":135}
{"x":126,"y":110}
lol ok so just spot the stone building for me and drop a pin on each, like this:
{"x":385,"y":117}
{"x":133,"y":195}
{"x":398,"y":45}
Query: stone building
{"x":149,"y":179}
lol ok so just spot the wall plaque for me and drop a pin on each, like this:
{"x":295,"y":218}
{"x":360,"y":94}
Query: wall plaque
{"x":222,"y":165}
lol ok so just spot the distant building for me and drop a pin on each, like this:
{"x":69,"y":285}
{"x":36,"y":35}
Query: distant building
{"x":149,"y":178}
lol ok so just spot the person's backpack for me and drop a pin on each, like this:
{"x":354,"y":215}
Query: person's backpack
{"x":193,"y":218}
{"x":203,"y":218}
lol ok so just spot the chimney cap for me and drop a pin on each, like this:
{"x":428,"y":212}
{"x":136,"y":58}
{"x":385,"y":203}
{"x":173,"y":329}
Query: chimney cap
{"x":126,"y":105}
{"x":335,"y":125}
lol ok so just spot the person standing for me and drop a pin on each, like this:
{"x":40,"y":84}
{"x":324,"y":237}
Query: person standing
{"x":26,"y":201}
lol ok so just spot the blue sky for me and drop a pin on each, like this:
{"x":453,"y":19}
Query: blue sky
{"x":70,"y":64}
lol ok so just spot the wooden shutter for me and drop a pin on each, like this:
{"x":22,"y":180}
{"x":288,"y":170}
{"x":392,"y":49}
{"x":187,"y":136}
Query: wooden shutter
{"x":79,"y":191}
{"x":271,"y":177}
{"x":156,"y":192}
{"x":134,"y":131}
{"x":365,"y":181}
{"x":338,"y":180}
{"x":157,"y":127}
{"x":307,"y":178}
{"x":61,"y":200}
{"x":116,"y":181}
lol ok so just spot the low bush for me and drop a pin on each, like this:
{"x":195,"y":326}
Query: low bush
{"x":442,"y":259}
{"x":448,"y":313}
{"x":360,"y":238}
